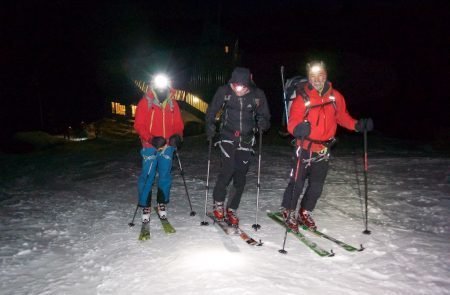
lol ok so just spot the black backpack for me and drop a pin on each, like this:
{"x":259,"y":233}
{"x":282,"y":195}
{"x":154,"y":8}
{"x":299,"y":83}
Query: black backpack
{"x":296,"y":84}
{"x":291,"y":85}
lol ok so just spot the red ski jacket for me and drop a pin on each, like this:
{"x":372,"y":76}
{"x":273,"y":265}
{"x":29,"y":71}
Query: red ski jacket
{"x":324,"y":114}
{"x":154,"y":119}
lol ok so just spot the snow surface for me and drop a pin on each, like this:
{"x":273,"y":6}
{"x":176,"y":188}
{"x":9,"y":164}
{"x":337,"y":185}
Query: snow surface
{"x":65,"y":213}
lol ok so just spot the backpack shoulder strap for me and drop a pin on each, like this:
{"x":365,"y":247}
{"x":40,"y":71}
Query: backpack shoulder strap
{"x":301,"y":90}
{"x":332,"y":98}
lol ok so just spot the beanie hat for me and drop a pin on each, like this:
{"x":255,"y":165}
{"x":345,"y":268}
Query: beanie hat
{"x":241,"y":76}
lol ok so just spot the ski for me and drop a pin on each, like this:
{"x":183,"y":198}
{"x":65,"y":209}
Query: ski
{"x":145,"y":231}
{"x":341,"y":244}
{"x":168,"y":228}
{"x":234,"y":230}
{"x":313,"y":246}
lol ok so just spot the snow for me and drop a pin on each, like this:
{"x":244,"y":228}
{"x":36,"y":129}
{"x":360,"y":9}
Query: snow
{"x":65,"y":213}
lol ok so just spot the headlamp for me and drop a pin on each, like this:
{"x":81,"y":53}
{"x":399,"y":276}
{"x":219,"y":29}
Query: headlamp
{"x":161,"y":81}
{"x":316,"y":68}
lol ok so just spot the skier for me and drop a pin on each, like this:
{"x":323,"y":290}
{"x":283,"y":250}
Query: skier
{"x":314,"y":115}
{"x":244,"y":113}
{"x":160,"y":127}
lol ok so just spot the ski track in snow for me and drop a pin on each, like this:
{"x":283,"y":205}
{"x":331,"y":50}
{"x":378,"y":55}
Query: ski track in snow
{"x":64,"y":229}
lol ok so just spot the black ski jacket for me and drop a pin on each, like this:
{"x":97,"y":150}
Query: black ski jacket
{"x":239,"y":113}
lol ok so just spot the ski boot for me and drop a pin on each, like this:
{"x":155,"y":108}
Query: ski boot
{"x":289,"y":220}
{"x":232,"y":217}
{"x":146,"y":214}
{"x":218,"y":210}
{"x":305,"y":218}
{"x":162,"y":211}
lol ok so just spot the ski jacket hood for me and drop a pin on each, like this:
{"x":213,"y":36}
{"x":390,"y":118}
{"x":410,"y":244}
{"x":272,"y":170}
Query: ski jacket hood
{"x":241,"y":76}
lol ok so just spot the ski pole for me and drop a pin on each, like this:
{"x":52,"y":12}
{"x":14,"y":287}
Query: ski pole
{"x":134,"y":216}
{"x":256,"y":226}
{"x":145,"y":183}
{"x":366,"y":231}
{"x":184,"y":182}
{"x":204,"y":222}
{"x":297,"y":172}
{"x":284,"y":94}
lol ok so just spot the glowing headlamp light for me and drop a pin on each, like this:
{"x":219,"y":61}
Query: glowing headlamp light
{"x":316,"y":69}
{"x":161,"y":81}
{"x":239,"y":87}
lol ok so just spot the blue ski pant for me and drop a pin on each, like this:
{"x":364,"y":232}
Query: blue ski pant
{"x":153,"y":162}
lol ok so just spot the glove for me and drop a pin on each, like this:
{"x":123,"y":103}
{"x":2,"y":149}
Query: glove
{"x":210,"y":131}
{"x":175,"y":141}
{"x":263,"y":124}
{"x":364,"y":124}
{"x":158,"y":142}
{"x":302,"y":130}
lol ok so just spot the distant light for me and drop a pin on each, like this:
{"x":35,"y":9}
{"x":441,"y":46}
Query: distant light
{"x":161,"y":81}
{"x":195,"y":99}
{"x":227,"y":49}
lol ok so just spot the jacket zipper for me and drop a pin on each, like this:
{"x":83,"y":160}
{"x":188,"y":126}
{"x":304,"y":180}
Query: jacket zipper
{"x":164,"y":121}
{"x":240,"y":118}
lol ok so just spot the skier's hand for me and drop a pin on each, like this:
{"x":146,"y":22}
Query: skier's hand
{"x":158,"y":142}
{"x":302,"y":130}
{"x":364,"y":124}
{"x":263,"y":124}
{"x":175,"y":141}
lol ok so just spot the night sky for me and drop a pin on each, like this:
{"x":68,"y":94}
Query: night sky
{"x":390,"y":59}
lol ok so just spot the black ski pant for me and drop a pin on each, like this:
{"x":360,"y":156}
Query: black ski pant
{"x":315,"y":173}
{"x":234,"y":166}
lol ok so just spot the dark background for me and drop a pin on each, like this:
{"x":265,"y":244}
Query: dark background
{"x":390,"y":59}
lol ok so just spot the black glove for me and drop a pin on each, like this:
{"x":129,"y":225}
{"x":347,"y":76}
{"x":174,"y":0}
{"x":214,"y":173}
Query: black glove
{"x":158,"y":142}
{"x":210,"y":130}
{"x":175,"y":141}
{"x":263,"y":124}
{"x":364,"y":124}
{"x":302,"y":130}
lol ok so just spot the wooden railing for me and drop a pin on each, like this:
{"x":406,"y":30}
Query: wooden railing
{"x":180,"y":95}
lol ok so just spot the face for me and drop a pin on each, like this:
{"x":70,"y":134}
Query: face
{"x":161,"y":94}
{"x":239,"y":89}
{"x":317,"y":77}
